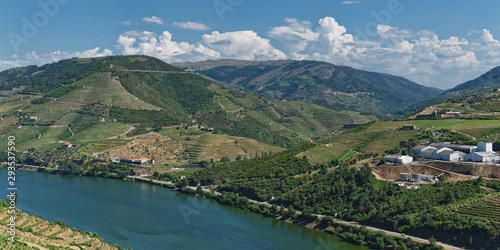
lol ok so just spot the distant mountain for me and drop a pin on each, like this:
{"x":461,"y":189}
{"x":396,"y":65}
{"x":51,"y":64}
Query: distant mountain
{"x":484,"y":83}
{"x":145,"y":92}
{"x":318,"y":82}
{"x":438,"y":90}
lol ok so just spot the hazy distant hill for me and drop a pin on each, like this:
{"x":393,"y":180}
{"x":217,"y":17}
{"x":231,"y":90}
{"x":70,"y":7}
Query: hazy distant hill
{"x":319,"y":82}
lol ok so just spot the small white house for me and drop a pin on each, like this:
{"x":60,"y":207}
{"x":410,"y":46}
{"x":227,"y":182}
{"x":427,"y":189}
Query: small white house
{"x":404,"y":159}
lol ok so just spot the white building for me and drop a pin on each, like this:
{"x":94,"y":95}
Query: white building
{"x":483,"y":157}
{"x":484,"y":153}
{"x":446,"y":154}
{"x":484,"y":147}
{"x":399,"y":158}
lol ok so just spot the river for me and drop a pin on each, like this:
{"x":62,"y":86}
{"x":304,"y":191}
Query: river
{"x":141,"y":216}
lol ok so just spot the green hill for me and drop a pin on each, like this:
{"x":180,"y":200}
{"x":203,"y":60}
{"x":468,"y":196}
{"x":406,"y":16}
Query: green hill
{"x":485,"y":83}
{"x":318,"y":82}
{"x":94,"y":99}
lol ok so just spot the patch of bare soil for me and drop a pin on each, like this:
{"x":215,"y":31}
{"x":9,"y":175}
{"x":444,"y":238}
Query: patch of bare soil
{"x":162,"y":149}
{"x":392,"y":172}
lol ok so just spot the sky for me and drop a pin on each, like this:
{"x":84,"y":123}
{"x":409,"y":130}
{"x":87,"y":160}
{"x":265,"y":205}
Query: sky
{"x":434,"y":43}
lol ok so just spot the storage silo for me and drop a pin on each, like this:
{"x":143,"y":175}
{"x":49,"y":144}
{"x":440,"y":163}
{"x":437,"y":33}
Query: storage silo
{"x":417,"y":177}
{"x":405,"y":177}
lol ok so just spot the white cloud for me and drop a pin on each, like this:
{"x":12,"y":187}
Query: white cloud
{"x":153,"y":20}
{"x":296,"y":34}
{"x":418,"y":55}
{"x":191,"y":25}
{"x":240,"y":45}
{"x":34,"y":58}
{"x":125,"y":23}
{"x":162,"y":46}
{"x":350,"y":2}
{"x":245,"y":45}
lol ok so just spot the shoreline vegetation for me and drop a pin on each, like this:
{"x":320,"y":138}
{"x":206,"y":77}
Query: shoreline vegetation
{"x":354,"y":233}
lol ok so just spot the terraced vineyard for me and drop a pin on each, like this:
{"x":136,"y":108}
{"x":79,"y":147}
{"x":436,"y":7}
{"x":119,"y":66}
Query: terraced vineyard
{"x":33,"y":232}
{"x":487,"y":208}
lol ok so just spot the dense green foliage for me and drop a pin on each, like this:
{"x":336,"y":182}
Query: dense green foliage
{"x":354,"y":194}
{"x":146,"y":117}
{"x":50,"y":76}
{"x":284,"y":164}
{"x":375,"y":240}
{"x":176,"y":91}
{"x":251,"y":128}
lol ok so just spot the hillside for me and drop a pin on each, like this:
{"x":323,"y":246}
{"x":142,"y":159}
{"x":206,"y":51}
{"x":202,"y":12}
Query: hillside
{"x":485,"y":83}
{"x":344,"y":177}
{"x":33,"y":232}
{"x":87,"y":101}
{"x":482,"y":105}
{"x":318,"y":82}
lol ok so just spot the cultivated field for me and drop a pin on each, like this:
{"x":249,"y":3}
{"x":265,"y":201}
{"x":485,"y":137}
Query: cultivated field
{"x":38,"y":233}
{"x":486,"y":208}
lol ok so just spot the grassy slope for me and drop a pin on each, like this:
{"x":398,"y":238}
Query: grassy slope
{"x":103,"y":88}
{"x":203,"y":145}
{"x":296,"y":120}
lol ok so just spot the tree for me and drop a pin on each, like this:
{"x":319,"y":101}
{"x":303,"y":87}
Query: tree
{"x":432,"y":240}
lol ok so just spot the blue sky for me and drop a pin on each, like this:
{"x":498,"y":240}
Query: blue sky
{"x":435,"y":43}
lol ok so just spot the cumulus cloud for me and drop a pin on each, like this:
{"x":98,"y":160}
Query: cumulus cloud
{"x":34,"y":58}
{"x":239,"y":45}
{"x":153,"y":20}
{"x":295,"y":34}
{"x":162,"y":46}
{"x":245,"y":45}
{"x":191,"y":25}
{"x":419,"y":55}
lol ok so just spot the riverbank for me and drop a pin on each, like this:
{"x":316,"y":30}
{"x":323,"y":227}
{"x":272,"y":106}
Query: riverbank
{"x":322,"y":223}
{"x":282,"y":214}
{"x":33,"y":232}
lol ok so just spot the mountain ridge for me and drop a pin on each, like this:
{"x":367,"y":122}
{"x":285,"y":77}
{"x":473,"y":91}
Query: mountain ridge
{"x":141,"y":93}
{"x":484,"y":83}
{"x":319,"y":82}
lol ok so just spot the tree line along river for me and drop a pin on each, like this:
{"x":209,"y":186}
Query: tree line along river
{"x":142,"y":216}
